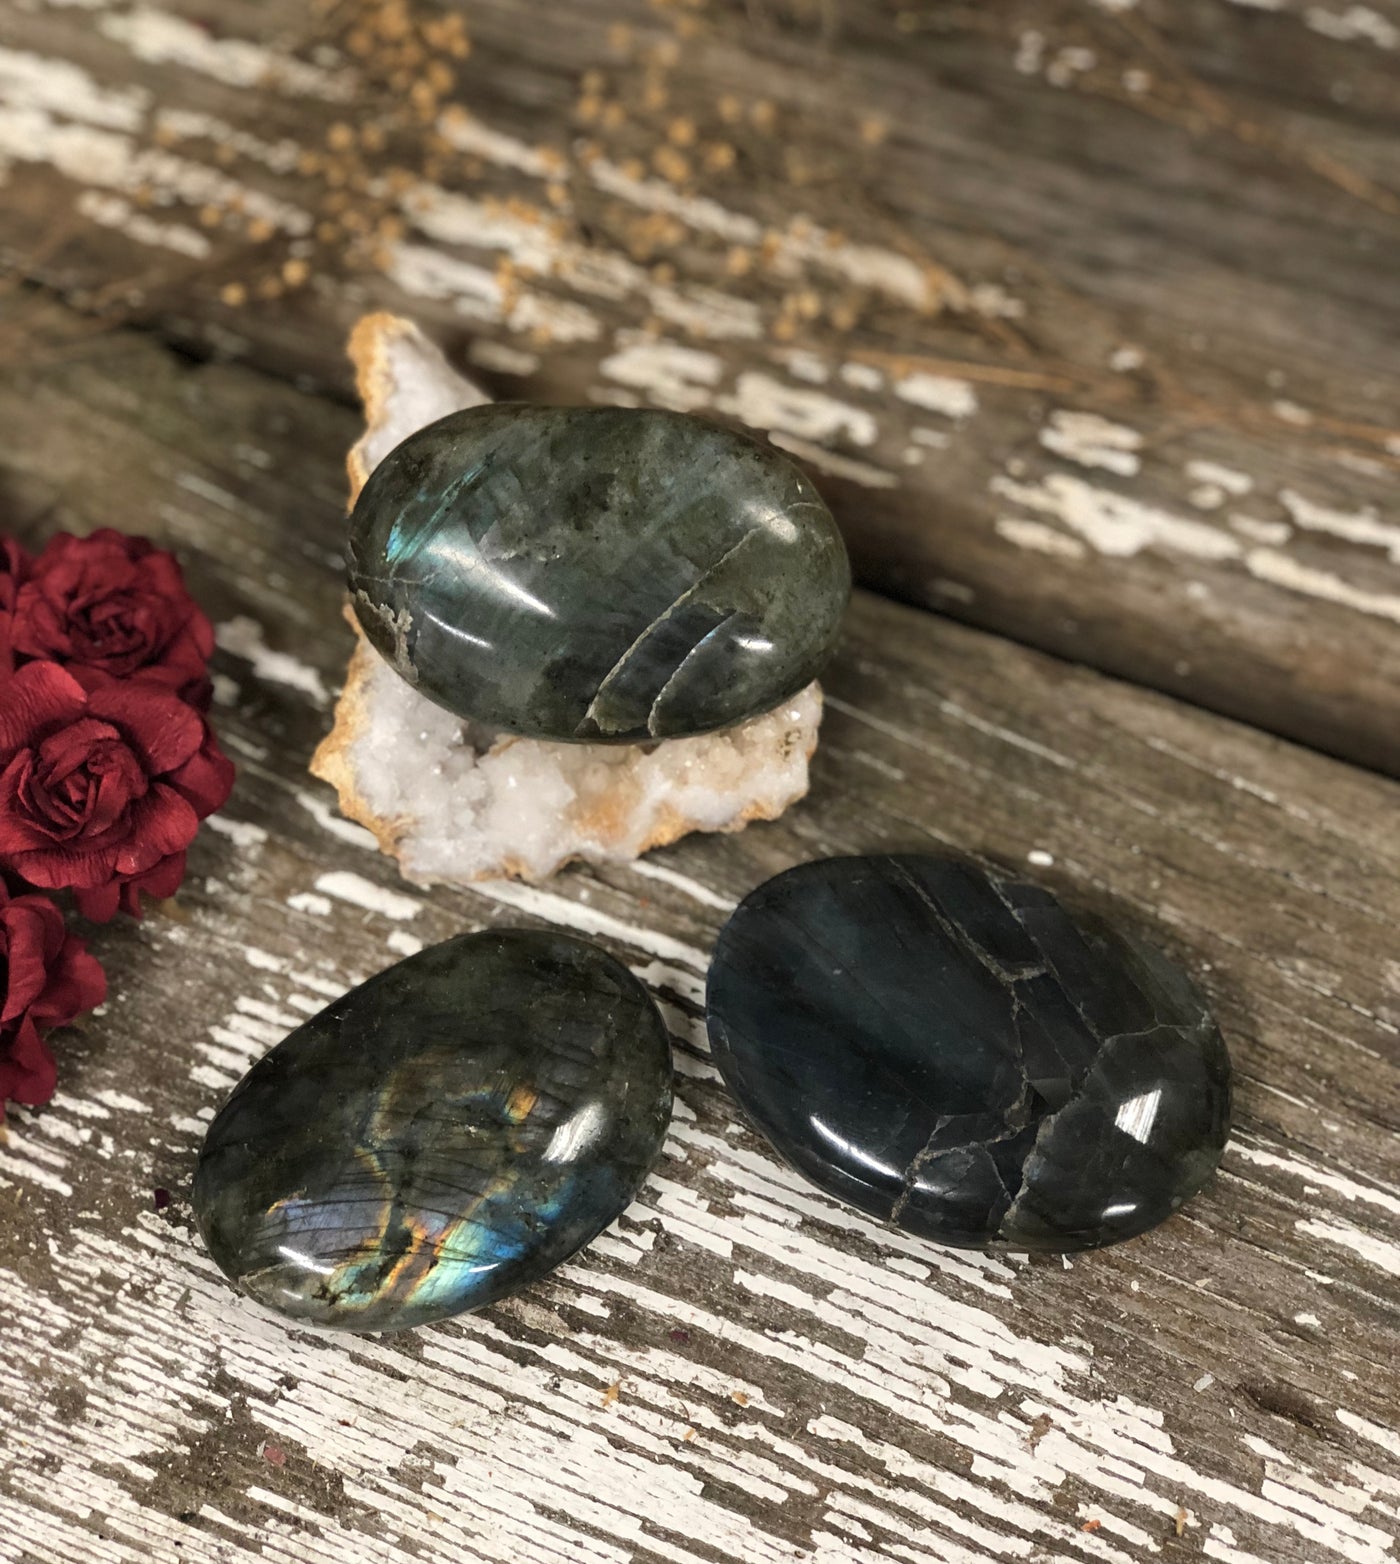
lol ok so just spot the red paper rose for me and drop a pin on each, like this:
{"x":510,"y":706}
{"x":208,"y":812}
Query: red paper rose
{"x":46,"y":979}
{"x":103,"y":783}
{"x":14,"y":572}
{"x":117,"y":604}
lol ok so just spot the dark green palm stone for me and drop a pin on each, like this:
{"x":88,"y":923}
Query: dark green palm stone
{"x":440,"y":1136}
{"x":600,"y":575}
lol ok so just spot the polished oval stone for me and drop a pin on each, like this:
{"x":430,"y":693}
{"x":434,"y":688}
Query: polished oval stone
{"x":440,"y":1136}
{"x":602,"y":575}
{"x":951,"y":1051}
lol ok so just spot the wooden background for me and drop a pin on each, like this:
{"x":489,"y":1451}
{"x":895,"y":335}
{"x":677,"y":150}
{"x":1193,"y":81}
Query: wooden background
{"x":1085,"y":316}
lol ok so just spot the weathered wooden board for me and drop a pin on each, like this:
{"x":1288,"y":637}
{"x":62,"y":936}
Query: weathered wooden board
{"x":739,"y":1370}
{"x":1088,"y":310}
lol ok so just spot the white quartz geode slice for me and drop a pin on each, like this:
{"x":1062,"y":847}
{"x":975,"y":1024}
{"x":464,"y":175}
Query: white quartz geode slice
{"x":454,"y":802}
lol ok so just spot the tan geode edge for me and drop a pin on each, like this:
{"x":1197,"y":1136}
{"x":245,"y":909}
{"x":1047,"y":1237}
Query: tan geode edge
{"x":605,"y":819}
{"x":368,"y":350}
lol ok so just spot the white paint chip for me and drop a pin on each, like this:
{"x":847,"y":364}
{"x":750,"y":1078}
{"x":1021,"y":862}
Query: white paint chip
{"x":1092,"y":441}
{"x":159,"y":38}
{"x":943,"y":394}
{"x":764,"y":402}
{"x":1355,"y":23}
{"x":1361,"y":526}
{"x":1227,"y":478}
{"x":1026,"y":532}
{"x":32,"y":81}
{"x":360,"y":892}
{"x":243,"y":637}
{"x":1115,"y":525}
{"x":402,"y":943}
{"x":310,"y":902}
{"x":668,"y":373}
{"x":339,"y":827}
{"x":242,"y":833}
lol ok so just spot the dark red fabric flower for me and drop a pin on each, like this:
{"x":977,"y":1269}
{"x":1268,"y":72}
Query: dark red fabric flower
{"x":116,"y":604}
{"x":46,"y":979}
{"x":103,"y":783}
{"x":14,"y":572}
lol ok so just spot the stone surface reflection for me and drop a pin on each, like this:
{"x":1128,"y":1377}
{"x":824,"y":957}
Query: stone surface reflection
{"x":949,"y":1050}
{"x":440,"y":1136}
{"x":599,"y":575}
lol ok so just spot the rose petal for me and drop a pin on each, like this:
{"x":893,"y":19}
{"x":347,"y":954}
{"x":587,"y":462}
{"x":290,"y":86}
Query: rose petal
{"x":31,"y":930}
{"x":158,"y":725}
{"x":28,"y":1073}
{"x":162,"y":822}
{"x":36,"y":699}
{"x":76,"y":984}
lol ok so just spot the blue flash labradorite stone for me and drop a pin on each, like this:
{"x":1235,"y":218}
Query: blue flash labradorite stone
{"x":442,"y":1135}
{"x":951,"y":1051}
{"x":599,"y":575}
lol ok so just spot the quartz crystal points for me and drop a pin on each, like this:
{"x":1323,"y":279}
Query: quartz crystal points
{"x":596,"y":575}
{"x":949,"y":1050}
{"x":440,"y":1136}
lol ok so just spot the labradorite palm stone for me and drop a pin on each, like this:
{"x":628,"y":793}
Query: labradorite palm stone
{"x":440,"y":1136}
{"x":951,"y":1051}
{"x":597,"y":575}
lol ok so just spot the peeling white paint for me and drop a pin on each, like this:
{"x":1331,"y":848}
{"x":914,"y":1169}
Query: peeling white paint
{"x":113,"y":211}
{"x":1220,"y":477}
{"x":1251,"y":527}
{"x":476,"y":293}
{"x":1385,"y":1256}
{"x":1092,"y":441}
{"x":1026,"y":532}
{"x":766,"y":403}
{"x":944,"y":394}
{"x":345,"y":885}
{"x":502,"y":358}
{"x":243,"y":637}
{"x":325,"y":815}
{"x":242,"y":833}
{"x":1312,"y":1173}
{"x":864,"y":377}
{"x":159,"y":38}
{"x":92,"y":156}
{"x":60,"y":87}
{"x":191,"y":125}
{"x":1282,"y":570}
{"x":669,"y":373}
{"x":649,"y":869}
{"x":1361,"y":526}
{"x":1114,"y":524}
{"x":469,"y":134}
{"x":1355,"y":22}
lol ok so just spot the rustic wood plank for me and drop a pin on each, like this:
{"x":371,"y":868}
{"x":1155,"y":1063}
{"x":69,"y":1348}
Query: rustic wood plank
{"x":1088,"y":310}
{"x":792,"y":1382}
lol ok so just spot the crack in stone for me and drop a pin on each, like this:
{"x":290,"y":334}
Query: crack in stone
{"x":680,"y":668}
{"x":1004,"y":975}
{"x":614,"y":674}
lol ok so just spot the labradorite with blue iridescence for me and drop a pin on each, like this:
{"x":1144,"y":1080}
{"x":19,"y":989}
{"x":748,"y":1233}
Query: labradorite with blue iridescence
{"x":596,"y":575}
{"x":951,"y":1050}
{"x":440,"y":1136}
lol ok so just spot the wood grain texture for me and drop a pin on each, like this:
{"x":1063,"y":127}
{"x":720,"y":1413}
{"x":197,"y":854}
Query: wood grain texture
{"x":1087,"y":310}
{"x":740,"y":1370}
